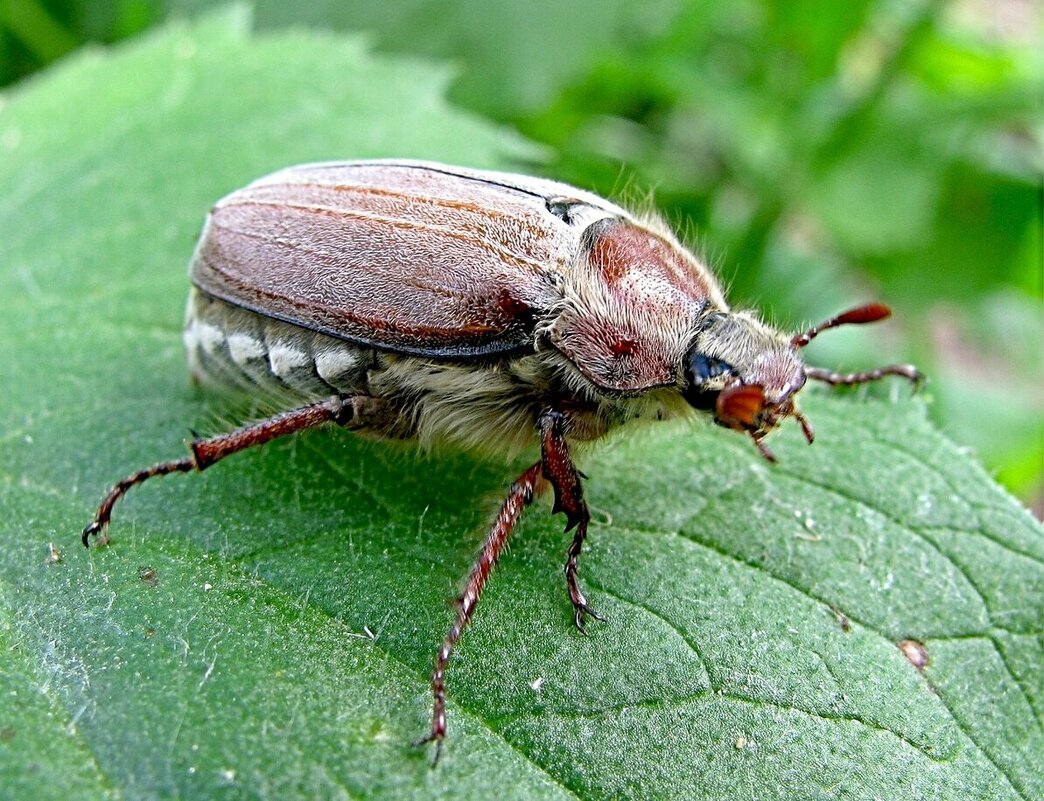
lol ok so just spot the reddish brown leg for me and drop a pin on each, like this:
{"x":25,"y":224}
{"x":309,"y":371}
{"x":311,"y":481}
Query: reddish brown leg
{"x":907,"y":371}
{"x":205,"y":452}
{"x":558,"y":468}
{"x":521,"y":495}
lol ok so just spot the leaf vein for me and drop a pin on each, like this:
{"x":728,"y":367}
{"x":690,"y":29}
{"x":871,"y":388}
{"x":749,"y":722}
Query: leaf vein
{"x":687,"y":639}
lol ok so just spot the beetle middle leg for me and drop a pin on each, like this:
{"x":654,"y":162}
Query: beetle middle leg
{"x":520,"y":495}
{"x":559,"y":469}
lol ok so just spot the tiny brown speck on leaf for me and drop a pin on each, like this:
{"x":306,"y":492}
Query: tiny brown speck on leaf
{"x":842,"y":619}
{"x":148,"y":576}
{"x":915,"y":653}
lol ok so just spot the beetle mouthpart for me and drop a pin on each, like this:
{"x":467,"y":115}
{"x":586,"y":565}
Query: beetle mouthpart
{"x":740,"y":405}
{"x":766,"y":454}
{"x":860,"y":315}
{"x":806,"y":427}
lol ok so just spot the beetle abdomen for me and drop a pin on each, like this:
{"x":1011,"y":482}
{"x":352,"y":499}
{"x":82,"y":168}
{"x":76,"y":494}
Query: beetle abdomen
{"x":234,"y":349}
{"x":484,"y":408}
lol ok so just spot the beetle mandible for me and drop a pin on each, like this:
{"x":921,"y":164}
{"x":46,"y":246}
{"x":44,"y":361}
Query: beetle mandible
{"x":498,"y":312}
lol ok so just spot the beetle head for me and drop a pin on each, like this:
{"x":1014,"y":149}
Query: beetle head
{"x":746,"y":374}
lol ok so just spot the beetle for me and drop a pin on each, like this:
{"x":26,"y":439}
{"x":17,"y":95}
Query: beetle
{"x":493,"y":311}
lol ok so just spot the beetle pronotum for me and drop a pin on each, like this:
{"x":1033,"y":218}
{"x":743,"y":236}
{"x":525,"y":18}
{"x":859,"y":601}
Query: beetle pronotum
{"x":490,"y":310}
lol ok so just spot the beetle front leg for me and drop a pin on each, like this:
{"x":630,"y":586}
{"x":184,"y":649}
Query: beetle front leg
{"x":558,"y":468}
{"x":907,"y":371}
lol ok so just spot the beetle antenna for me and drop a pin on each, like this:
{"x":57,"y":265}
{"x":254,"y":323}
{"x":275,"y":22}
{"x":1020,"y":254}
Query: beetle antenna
{"x":870,"y":313}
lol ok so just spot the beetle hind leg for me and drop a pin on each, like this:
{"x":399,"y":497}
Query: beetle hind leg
{"x":347,"y":411}
{"x":559,"y":469}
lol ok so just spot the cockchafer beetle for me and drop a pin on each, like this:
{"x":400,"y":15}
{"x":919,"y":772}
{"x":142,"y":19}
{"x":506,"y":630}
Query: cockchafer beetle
{"x":489,"y":310}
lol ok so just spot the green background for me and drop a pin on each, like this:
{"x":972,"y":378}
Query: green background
{"x":266,"y":630}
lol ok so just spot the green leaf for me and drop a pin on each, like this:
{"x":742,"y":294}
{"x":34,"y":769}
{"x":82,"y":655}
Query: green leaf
{"x":266,"y":629}
{"x":512,"y":57}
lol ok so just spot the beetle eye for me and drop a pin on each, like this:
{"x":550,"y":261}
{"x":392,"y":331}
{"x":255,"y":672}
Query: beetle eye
{"x":703,"y":368}
{"x":700,"y":369}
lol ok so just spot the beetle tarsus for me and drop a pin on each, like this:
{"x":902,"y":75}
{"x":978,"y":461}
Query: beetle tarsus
{"x":433,"y":737}
{"x":93,"y":529}
{"x":104,"y":513}
{"x":581,"y":609}
{"x":806,"y":427}
{"x":580,"y":614}
{"x":763,"y":449}
{"x":528,"y":302}
{"x":558,"y":468}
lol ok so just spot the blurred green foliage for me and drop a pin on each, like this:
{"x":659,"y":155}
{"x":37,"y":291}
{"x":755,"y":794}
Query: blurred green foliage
{"x":820,"y":153}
